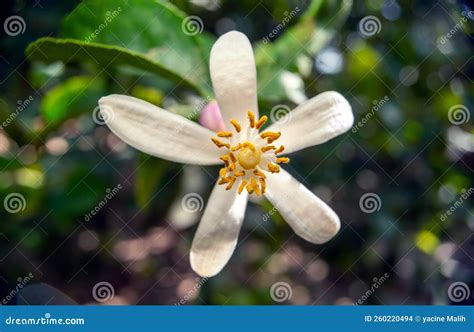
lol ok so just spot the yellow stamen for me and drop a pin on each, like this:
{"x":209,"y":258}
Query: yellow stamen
{"x":239,"y":173}
{"x":225,"y":159}
{"x":263,"y":185}
{"x":259,"y":173}
{"x":236,"y":147}
{"x":222,"y":172}
{"x":284,"y":160}
{"x":280,"y":149}
{"x":236,"y":125}
{"x":270,"y":136}
{"x":268,"y":148}
{"x":273,"y":168}
{"x":231,"y":183}
{"x":261,"y":122}
{"x":244,"y":157}
{"x":224,"y":180}
{"x":219,"y":143}
{"x":251,"y":119}
{"x":257,"y":190}
{"x":224,"y":134}
{"x":251,"y":186}
{"x":242,"y":186}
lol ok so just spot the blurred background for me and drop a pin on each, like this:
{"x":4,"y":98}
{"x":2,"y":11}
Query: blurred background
{"x":85,"y":218}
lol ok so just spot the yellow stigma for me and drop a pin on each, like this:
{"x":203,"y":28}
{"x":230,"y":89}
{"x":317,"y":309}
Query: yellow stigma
{"x":249,"y":156}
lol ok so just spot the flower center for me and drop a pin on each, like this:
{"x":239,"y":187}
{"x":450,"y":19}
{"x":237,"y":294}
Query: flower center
{"x":249,"y":156}
{"x":255,"y":156}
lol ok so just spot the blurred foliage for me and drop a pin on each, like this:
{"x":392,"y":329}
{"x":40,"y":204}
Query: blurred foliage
{"x":55,"y":153}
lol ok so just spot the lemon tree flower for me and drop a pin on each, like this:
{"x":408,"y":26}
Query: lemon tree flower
{"x":251,"y":157}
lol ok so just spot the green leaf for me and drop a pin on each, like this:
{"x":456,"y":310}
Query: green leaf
{"x":10,"y":124}
{"x":314,"y":30}
{"x":150,"y":28}
{"x":71,"y":98}
{"x":206,"y":41}
{"x":149,"y":175}
{"x":7,"y":164}
{"x":50,"y":50}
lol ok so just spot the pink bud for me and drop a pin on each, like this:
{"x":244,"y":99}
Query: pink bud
{"x":211,"y":117}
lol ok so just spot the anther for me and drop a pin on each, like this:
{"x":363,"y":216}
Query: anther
{"x":251,"y":119}
{"x":236,"y":147}
{"x":222,"y":172}
{"x":224,"y":180}
{"x":242,"y":186}
{"x":259,"y":173}
{"x":261,"y":122}
{"x":239,"y":173}
{"x":219,"y":143}
{"x":263,"y":185}
{"x":273,"y":168}
{"x":270,"y":136}
{"x":257,"y":190}
{"x":268,"y":148}
{"x":236,"y":125}
{"x":251,"y":186}
{"x":225,"y":159}
{"x":224,"y":134}
{"x":284,"y":160}
{"x":231,"y":183}
{"x":280,"y":149}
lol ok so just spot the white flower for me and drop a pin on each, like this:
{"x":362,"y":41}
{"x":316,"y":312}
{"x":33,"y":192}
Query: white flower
{"x":250,"y":157}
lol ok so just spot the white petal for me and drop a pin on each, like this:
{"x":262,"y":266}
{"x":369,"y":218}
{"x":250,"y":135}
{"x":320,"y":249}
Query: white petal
{"x":314,"y":122}
{"x":234,"y":77}
{"x":157,"y":132}
{"x":309,"y":216}
{"x":217,"y":234}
